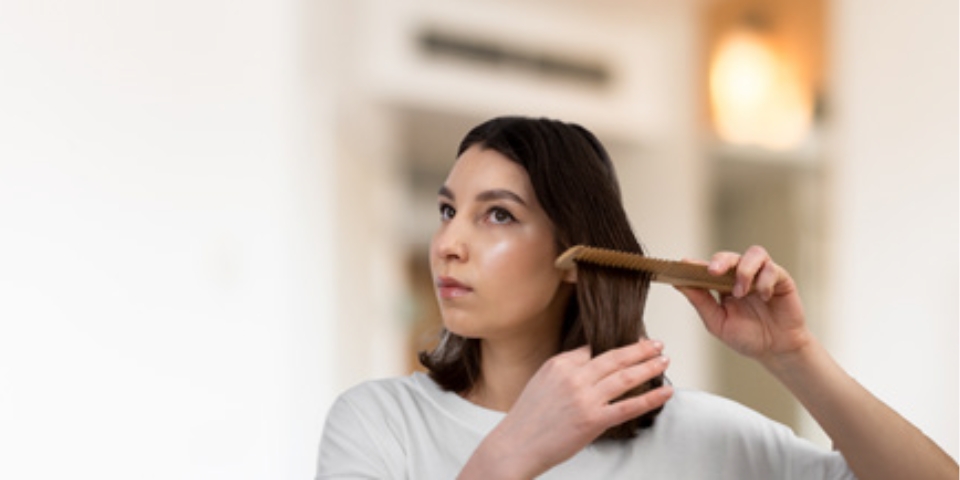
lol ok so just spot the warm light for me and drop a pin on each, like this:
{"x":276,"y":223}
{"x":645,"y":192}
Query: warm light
{"x":757,"y":97}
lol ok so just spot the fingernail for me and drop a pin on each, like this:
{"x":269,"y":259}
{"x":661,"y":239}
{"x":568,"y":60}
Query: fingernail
{"x":664,"y":359}
{"x":657,"y":345}
{"x":666,"y":391}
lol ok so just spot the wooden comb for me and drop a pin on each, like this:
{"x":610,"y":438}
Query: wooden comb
{"x":681,"y":274}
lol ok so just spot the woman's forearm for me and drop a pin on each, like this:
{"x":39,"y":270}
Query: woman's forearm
{"x":494,"y":459}
{"x":876,"y":441}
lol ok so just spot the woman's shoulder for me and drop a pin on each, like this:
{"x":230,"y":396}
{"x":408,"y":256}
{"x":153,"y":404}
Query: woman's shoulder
{"x":383,"y":393}
{"x":380,"y":386}
{"x":709,"y":411}
{"x":416,"y":400}
{"x":401,"y":427}
{"x":373,"y":408}
{"x":367,"y":428}
{"x":703,"y":401}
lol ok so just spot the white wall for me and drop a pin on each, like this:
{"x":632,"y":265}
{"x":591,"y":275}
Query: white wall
{"x":164,"y":296}
{"x":894,"y":206}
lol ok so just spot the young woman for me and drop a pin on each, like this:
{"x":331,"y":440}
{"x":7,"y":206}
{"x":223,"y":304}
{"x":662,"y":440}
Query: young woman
{"x":550,"y":374}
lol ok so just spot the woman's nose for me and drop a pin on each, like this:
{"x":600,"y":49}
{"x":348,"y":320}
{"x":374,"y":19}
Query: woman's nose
{"x":450,"y":241}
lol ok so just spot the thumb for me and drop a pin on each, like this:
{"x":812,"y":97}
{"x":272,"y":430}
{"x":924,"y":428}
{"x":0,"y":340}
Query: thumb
{"x":710,"y":311}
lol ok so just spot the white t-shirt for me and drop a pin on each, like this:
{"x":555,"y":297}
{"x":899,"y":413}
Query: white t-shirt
{"x":409,"y":428}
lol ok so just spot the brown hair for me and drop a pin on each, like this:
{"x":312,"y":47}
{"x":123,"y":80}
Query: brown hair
{"x":575,"y":182}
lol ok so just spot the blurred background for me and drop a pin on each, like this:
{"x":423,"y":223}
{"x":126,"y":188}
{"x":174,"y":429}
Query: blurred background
{"x":214,"y":215}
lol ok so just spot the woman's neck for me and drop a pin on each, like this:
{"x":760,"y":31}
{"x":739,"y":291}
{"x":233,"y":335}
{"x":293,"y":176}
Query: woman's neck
{"x":506,"y":368}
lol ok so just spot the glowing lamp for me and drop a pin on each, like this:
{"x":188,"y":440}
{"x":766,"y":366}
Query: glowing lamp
{"x":756,"y":95}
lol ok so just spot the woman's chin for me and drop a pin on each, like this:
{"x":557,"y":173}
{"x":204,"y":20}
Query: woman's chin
{"x":461,"y":326}
{"x":461,"y":331}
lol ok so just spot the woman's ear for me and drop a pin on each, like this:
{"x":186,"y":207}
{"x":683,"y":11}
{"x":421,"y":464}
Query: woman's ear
{"x":570,"y":276}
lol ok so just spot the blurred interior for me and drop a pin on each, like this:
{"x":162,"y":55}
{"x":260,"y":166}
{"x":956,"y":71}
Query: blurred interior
{"x":216,"y":217}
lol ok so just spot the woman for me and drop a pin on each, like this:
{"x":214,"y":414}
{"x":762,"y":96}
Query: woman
{"x":548,"y":373}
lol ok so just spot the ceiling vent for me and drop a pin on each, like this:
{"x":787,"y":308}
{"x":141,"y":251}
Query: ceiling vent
{"x":483,"y":52}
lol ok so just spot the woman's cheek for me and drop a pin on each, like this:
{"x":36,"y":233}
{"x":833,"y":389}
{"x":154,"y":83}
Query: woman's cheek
{"x":519,"y":264}
{"x":501,"y":259}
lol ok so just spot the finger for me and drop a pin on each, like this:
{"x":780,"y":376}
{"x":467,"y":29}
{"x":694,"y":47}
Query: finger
{"x":621,"y":358}
{"x":632,"y":407}
{"x":752,"y":261}
{"x":767,"y":280}
{"x":720,"y":262}
{"x":707,"y":307}
{"x":717,"y":266}
{"x":622,"y":381}
{"x":694,"y":261}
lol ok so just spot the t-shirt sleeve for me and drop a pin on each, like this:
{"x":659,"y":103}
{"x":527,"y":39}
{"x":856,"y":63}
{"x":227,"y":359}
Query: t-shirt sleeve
{"x":354,"y":447}
{"x":737,"y":442}
{"x":806,"y":460}
{"x":796,"y":458}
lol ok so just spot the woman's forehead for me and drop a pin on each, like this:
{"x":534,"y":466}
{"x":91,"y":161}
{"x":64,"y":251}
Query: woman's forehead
{"x":482,"y":169}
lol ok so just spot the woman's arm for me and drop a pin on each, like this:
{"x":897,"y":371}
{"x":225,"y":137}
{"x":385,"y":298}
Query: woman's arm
{"x":876,"y":441}
{"x":764,"y":320}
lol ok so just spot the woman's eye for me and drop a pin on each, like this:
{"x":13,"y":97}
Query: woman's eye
{"x":499,"y":216}
{"x":446,"y":212}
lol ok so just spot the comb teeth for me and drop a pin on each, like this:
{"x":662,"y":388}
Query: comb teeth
{"x":680,"y":274}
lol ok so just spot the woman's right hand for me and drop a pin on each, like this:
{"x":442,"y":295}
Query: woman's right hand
{"x":566,"y":405}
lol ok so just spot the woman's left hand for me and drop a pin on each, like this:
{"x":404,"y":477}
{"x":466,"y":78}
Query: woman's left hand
{"x":763,"y":317}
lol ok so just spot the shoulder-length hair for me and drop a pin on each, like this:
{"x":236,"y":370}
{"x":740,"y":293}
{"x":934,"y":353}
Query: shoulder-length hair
{"x":575,"y":182}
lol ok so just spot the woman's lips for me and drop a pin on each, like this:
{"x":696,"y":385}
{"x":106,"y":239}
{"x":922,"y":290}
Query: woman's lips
{"x":449,"y":287}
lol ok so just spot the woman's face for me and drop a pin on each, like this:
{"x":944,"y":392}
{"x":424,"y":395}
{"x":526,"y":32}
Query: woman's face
{"x":492,"y":256}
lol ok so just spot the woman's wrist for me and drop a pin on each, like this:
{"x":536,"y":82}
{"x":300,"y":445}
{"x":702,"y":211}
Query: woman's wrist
{"x":795,"y":361}
{"x":497,"y":458}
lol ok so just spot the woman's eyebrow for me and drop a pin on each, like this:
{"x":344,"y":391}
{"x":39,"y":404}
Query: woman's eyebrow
{"x":500,"y":194}
{"x":446,"y":192}
{"x":486,"y":196}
